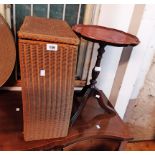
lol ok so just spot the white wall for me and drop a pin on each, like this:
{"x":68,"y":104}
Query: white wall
{"x":139,"y":61}
{"x":5,"y":12}
{"x":114,"y":16}
{"x":148,"y":51}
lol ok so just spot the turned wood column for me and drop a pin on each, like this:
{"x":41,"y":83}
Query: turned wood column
{"x":96,"y":70}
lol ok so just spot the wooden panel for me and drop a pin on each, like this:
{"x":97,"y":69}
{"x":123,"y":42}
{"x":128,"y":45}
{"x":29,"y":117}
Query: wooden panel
{"x":47,"y":101}
{"x":141,"y":146}
{"x":77,"y":83}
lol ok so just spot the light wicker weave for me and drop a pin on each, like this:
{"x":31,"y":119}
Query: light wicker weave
{"x":47,"y":100}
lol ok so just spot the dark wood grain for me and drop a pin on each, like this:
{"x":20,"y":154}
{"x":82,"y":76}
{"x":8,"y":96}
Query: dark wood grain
{"x":93,"y":144}
{"x":7,"y":51}
{"x":110,"y":36}
{"x":11,"y":133}
{"x":146,"y":145}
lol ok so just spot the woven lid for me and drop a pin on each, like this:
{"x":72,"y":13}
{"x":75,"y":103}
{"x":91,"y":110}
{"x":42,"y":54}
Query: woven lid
{"x":7,"y":51}
{"x":43,"y":29}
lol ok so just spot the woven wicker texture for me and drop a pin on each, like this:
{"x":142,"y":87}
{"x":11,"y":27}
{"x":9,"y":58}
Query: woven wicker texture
{"x":7,"y":51}
{"x":53,"y":30}
{"x":47,"y":100}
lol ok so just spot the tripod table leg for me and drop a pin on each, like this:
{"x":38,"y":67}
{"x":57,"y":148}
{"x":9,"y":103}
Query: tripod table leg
{"x":104,"y":102}
{"x":81,"y":106}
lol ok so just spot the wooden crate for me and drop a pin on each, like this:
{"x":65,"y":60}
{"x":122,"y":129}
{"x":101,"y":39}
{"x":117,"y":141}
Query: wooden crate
{"x":48,"y":52}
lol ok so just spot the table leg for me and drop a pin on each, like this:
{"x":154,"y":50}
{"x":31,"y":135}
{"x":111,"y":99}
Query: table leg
{"x":90,"y":90}
{"x":104,"y":102}
{"x":83,"y":102}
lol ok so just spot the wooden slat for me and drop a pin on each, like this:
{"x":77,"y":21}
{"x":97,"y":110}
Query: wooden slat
{"x":77,"y":83}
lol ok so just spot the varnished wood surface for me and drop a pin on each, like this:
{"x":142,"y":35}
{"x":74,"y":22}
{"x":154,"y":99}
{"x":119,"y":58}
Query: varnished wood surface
{"x":94,"y":145}
{"x":11,"y":136}
{"x":104,"y":34}
{"x":141,"y":146}
{"x":18,"y":83}
{"x":7,"y":51}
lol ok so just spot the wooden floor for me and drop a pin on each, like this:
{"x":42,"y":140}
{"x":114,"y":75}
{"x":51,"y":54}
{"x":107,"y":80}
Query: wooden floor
{"x":141,"y":146}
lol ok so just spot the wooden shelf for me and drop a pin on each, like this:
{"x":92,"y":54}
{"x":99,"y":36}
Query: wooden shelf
{"x":18,"y":83}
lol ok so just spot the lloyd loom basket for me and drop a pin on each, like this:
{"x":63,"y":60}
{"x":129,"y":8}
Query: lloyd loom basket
{"x":48,"y":52}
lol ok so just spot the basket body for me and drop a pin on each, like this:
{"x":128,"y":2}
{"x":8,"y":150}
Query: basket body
{"x":47,"y":88}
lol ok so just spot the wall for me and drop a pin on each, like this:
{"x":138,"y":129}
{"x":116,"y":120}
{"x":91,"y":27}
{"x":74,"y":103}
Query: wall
{"x":5,"y":12}
{"x":138,"y":60}
{"x":140,"y":115}
{"x":112,"y":16}
{"x":148,"y":50}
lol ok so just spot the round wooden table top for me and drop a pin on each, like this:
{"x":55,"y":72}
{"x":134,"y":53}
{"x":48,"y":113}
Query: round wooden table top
{"x":109,"y":36}
{"x":7,"y":51}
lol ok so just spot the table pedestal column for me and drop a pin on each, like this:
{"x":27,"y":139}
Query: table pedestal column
{"x":92,"y":91}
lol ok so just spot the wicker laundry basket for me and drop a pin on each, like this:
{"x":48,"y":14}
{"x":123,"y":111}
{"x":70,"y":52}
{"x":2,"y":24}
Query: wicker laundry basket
{"x":48,"y":52}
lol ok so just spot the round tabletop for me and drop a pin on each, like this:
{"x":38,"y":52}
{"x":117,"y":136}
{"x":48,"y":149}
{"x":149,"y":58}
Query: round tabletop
{"x":7,"y":51}
{"x":109,"y":36}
